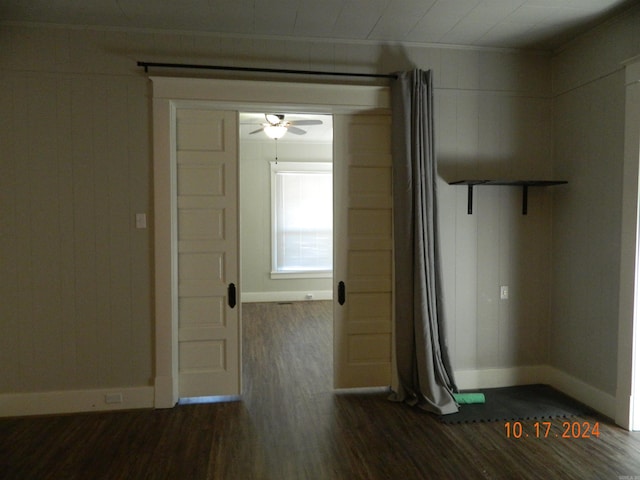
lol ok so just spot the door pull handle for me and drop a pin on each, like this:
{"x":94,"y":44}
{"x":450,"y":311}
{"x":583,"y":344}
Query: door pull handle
{"x":231,"y":291}
{"x":342,"y":293}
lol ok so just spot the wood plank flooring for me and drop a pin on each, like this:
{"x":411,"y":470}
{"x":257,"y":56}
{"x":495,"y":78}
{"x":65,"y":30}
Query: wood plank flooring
{"x":291,"y":425}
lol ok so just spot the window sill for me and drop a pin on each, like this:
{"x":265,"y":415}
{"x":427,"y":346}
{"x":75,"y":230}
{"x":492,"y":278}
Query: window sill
{"x":294,"y":275}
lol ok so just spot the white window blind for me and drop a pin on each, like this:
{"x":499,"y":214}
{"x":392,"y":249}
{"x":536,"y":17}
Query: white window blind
{"x":302,"y":217}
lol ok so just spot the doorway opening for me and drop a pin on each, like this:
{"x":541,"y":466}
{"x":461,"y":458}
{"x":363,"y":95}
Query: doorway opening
{"x":628,"y":389}
{"x":205,"y":111}
{"x":286,"y":238}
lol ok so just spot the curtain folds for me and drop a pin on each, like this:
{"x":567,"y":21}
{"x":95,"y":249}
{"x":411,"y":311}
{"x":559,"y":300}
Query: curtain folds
{"x":425,"y":377}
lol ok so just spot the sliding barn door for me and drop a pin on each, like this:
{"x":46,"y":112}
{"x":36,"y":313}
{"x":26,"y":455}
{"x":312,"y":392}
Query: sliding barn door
{"x":363,"y":251}
{"x":207,"y":230}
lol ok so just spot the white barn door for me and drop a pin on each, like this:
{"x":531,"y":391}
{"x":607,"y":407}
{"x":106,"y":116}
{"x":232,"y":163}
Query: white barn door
{"x":207,"y":256}
{"x":363,"y":266}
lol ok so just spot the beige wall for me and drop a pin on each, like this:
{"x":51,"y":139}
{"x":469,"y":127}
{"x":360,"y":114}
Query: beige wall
{"x":495,"y":135}
{"x":75,"y":278}
{"x":75,"y":273}
{"x":589,"y":115}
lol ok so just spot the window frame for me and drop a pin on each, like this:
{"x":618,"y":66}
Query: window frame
{"x":293,"y":167}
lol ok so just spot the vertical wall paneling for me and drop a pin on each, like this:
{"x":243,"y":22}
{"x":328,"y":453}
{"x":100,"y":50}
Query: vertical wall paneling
{"x":138,"y":159}
{"x":120,"y":233}
{"x":587,"y":229}
{"x":105,"y":228}
{"x":488,"y":278}
{"x":23,"y":207}
{"x":65,"y":181}
{"x":492,"y":135}
{"x":9,"y":264}
{"x":43,"y":216}
{"x":67,"y":220}
{"x":84,"y":225}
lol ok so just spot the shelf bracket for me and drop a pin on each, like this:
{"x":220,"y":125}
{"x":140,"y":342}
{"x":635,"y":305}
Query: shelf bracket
{"x":525,"y":184}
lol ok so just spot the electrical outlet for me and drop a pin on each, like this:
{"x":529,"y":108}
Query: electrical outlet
{"x":504,"y":292}
{"x":113,"y":398}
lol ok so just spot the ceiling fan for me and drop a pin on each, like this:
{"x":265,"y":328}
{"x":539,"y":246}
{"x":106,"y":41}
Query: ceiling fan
{"x":277,"y":126}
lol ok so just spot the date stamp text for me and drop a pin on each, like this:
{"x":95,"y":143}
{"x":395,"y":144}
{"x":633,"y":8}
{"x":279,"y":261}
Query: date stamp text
{"x":568,"y":430}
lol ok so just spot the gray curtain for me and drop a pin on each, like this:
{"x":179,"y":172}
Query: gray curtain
{"x":425,"y":377}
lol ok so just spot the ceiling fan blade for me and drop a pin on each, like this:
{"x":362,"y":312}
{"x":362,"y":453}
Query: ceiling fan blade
{"x":256,"y":131}
{"x":306,"y":122}
{"x":296,"y":130}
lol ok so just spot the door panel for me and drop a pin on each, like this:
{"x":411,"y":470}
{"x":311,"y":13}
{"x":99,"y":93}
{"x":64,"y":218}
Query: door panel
{"x":363,"y":250}
{"x":202,"y":224}
{"x":208,"y":335}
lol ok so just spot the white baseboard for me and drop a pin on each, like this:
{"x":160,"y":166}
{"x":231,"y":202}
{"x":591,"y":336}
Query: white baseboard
{"x":73,"y":401}
{"x":499,"y":377}
{"x":252,"y":297}
{"x":506,"y":377}
{"x":597,"y":399}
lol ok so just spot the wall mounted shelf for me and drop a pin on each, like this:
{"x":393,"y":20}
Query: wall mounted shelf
{"x":525,"y":184}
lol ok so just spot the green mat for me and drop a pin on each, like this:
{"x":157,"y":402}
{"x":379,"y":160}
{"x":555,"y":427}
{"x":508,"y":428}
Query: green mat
{"x":469,"y":398}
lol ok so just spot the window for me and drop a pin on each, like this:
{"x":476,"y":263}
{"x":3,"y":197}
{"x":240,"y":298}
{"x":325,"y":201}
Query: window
{"x":302,"y":219}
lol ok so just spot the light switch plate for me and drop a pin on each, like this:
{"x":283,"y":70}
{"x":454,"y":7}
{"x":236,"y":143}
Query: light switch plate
{"x":504,"y":292}
{"x":141,"y":220}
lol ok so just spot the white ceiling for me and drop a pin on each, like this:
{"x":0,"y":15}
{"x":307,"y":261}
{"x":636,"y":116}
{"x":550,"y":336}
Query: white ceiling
{"x":541,"y":24}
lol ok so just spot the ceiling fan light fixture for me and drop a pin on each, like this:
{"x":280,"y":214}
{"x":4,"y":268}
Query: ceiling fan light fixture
{"x":275,"y":131}
{"x":273,"y":119}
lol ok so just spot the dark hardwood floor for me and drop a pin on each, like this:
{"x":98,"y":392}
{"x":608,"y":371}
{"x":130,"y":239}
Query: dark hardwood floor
{"x":291,"y":425}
